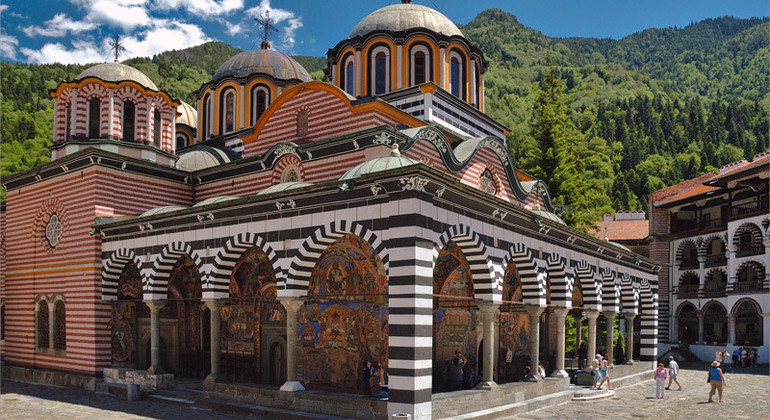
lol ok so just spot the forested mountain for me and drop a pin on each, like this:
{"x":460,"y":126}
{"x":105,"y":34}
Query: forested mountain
{"x":621,"y":118}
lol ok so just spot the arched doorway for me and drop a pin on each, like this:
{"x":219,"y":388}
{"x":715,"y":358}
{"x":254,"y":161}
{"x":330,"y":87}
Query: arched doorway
{"x":513,"y":356}
{"x":688,"y":323}
{"x":345,"y":321}
{"x":748,"y":324}
{"x":251,"y":317}
{"x":277,"y":364}
{"x":183,"y":313}
{"x":715,"y":324}
{"x":125,"y":314}
{"x":454,"y":316}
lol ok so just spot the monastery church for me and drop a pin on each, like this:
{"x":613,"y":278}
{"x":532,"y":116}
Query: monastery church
{"x":272,"y":238}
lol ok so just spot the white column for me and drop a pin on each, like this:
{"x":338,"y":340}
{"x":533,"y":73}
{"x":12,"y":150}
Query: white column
{"x":629,"y":338}
{"x":482,"y":99}
{"x":765,"y":335}
{"x":358,"y":73}
{"x":214,"y":307}
{"x":731,"y":329}
{"x":111,"y":115}
{"x":591,"y":345}
{"x":155,"y":307}
{"x":534,"y":339}
{"x":148,"y":130}
{"x":488,"y":314}
{"x":242,"y":106}
{"x":334,"y":75}
{"x":700,"y":328}
{"x":73,"y":114}
{"x":51,"y":325}
{"x":442,"y":68}
{"x":561,"y":337}
{"x":473,"y":83}
{"x":610,"y":334}
{"x":292,"y":305}
{"x":399,"y":67}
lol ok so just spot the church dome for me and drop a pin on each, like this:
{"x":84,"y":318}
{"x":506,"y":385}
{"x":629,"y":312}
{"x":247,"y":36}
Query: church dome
{"x":265,"y":61}
{"x":394,"y":161}
{"x":401,"y":17}
{"x":189,"y":116}
{"x":116,"y":72}
{"x":202,"y":157}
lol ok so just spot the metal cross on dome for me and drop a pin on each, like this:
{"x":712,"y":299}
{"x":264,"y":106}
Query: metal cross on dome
{"x":264,"y":23}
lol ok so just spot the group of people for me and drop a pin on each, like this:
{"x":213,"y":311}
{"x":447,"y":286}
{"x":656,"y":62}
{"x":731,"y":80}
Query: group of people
{"x":661,"y":374}
{"x":742,"y":356}
{"x":600,"y":367}
{"x":372,"y":379}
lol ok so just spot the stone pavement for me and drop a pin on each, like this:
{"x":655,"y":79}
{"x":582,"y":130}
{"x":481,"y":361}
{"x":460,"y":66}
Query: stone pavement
{"x":746,"y":396}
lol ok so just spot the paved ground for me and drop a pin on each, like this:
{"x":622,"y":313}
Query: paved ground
{"x":746,"y":396}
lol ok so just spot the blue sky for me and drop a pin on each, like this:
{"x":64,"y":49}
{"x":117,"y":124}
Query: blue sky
{"x":76,"y":31}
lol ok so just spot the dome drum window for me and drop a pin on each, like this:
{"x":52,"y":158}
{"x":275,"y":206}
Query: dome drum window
{"x":349,"y":79}
{"x":260,"y":100}
{"x":94,"y":117}
{"x":227,"y":111}
{"x":420,"y":65}
{"x":129,"y":121}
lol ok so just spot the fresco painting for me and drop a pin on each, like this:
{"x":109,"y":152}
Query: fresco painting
{"x":514,"y":330}
{"x":184,"y":301}
{"x":345,"y":320}
{"x":124,"y":315}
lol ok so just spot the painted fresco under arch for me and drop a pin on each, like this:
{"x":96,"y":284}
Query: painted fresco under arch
{"x":125,"y":311}
{"x":184,"y":306}
{"x":455,"y":314}
{"x":514,"y":329}
{"x":345,"y":320}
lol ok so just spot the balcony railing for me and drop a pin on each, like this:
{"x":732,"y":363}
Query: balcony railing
{"x":687,"y":291}
{"x":748,"y":286}
{"x":714,"y":223}
{"x":689,"y":264}
{"x":678,"y":225}
{"x":748,"y":209}
{"x":715,"y":260}
{"x":750,"y":250}
{"x":715,"y":290}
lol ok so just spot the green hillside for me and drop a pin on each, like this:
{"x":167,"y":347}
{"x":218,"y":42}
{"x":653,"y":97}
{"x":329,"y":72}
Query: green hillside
{"x":604,"y":122}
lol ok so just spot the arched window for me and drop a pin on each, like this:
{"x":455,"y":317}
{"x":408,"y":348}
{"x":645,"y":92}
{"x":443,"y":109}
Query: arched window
{"x":94,"y":108}
{"x":129,"y":118}
{"x":456,"y":74}
{"x":60,"y":326}
{"x":227,"y":110}
{"x":260,"y":99}
{"x":68,"y":123}
{"x":379,"y":71}
{"x":181,"y":141}
{"x":43,"y":325}
{"x":157,"y":127}
{"x":291,"y":176}
{"x":487,"y":182}
{"x":420,"y":65}
{"x":205,"y":116}
{"x":349,"y":75}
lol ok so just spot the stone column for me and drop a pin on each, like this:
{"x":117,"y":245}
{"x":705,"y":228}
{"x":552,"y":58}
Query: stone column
{"x":214,"y":307}
{"x":561,"y":337}
{"x":629,"y":338}
{"x":765,"y":332}
{"x":155,"y":307}
{"x":610,"y":334}
{"x":534,"y":339}
{"x":488,"y":313}
{"x":591,"y":350}
{"x":578,"y":332}
{"x":51,"y":324}
{"x":292,"y":305}
{"x":731,"y":329}
{"x":700,"y":328}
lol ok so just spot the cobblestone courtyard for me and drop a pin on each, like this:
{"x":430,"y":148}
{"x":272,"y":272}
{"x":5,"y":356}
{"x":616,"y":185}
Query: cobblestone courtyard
{"x":746,"y":396}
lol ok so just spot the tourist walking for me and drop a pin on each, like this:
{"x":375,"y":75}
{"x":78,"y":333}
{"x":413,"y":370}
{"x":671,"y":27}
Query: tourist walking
{"x":604,"y":370}
{"x":717,"y":380}
{"x":719,"y":355}
{"x":595,"y":365}
{"x":660,"y":381}
{"x":744,"y":356}
{"x":673,"y":372}
{"x":727,"y":362}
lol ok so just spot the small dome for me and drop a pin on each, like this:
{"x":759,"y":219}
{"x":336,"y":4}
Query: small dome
{"x":284,"y":186}
{"x":116,"y":72}
{"x":266,"y":61}
{"x":161,"y":210}
{"x":401,"y":17}
{"x":189,"y":115}
{"x":548,"y":215}
{"x":202,"y":157}
{"x":394,"y":161}
{"x":214,"y":200}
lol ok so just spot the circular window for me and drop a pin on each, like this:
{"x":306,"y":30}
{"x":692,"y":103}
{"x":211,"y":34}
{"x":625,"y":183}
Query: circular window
{"x":53,"y":231}
{"x":487,"y":182}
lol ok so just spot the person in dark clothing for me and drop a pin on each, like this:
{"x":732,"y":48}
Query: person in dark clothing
{"x":456,"y":372}
{"x":364,"y":375}
{"x":375,"y":383}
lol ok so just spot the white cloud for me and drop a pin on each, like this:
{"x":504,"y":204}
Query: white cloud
{"x":81,"y":52}
{"x":8,"y":46}
{"x":59,"y":26}
{"x":203,"y":8}
{"x":165,"y":35}
{"x":125,"y":14}
{"x":234,"y":29}
{"x":291,"y":22}
{"x":3,"y":8}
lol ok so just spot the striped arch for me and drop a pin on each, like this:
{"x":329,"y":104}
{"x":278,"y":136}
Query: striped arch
{"x":707,"y":241}
{"x":591,"y":285}
{"x":156,"y":287}
{"x":752,"y":228}
{"x":682,"y":246}
{"x":561,"y":282}
{"x":284,"y":164}
{"x":629,"y":294}
{"x":485,"y":282}
{"x":218,"y":284}
{"x":298,"y":278}
{"x":610,"y":291}
{"x":112,"y":267}
{"x":648,"y":346}
{"x":532,"y":287}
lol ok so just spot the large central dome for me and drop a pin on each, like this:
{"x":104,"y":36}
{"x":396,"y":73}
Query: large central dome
{"x":265,"y":61}
{"x":116,"y":72}
{"x":401,"y":17}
